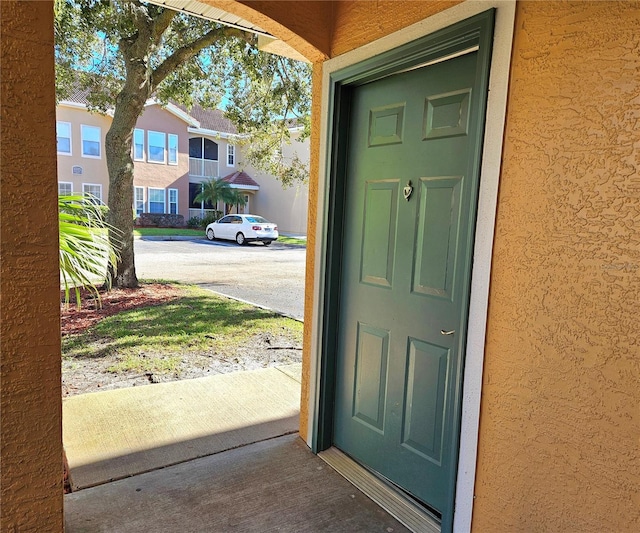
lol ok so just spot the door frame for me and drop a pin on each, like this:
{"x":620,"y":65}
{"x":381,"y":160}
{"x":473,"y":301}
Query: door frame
{"x":406,"y":49}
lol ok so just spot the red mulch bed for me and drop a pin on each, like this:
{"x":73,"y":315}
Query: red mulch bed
{"x":76,"y":319}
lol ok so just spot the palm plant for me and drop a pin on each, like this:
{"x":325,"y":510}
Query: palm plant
{"x":238,"y":199}
{"x":214,"y":191}
{"x":85,"y":249}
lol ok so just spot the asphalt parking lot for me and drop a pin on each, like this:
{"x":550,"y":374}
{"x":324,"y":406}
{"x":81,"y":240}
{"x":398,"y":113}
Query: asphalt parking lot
{"x":271,"y":277}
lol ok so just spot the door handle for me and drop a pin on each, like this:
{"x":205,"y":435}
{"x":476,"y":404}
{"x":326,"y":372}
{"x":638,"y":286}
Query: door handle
{"x":443,"y":332}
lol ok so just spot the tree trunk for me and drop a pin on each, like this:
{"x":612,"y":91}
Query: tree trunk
{"x":130,"y":104}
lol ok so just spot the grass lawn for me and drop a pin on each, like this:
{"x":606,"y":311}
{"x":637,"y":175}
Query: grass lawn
{"x":291,"y":240}
{"x":161,"y":338}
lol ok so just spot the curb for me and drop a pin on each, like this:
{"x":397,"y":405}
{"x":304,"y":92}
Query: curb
{"x":203,"y":238}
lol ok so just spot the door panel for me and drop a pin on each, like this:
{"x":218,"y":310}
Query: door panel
{"x":411,"y":135}
{"x":436,"y":243}
{"x":372,"y":356}
{"x":423,"y":417}
{"x":379,"y":231}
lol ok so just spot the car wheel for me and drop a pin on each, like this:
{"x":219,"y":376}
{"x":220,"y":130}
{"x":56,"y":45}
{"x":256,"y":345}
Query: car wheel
{"x":267,"y":243}
{"x":240,"y":239}
{"x":210,"y":234}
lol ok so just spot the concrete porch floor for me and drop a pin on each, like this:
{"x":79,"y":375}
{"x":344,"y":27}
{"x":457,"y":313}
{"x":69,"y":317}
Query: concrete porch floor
{"x":208,"y":455}
{"x":274,"y":485}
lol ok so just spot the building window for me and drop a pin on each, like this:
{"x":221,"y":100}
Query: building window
{"x":173,"y":201}
{"x":139,"y":200}
{"x":202,"y":148}
{"x":63,"y":135}
{"x":91,"y":143}
{"x":65,"y":188}
{"x":231,"y":155}
{"x":156,"y":200}
{"x":138,"y":145}
{"x":93,"y":190}
{"x":173,"y":149}
{"x":156,"y":151}
{"x":194,"y":190}
{"x":203,"y":158}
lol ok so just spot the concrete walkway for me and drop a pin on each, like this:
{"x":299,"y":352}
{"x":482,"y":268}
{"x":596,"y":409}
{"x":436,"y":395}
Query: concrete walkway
{"x":217,"y":454}
{"x":120,"y":433}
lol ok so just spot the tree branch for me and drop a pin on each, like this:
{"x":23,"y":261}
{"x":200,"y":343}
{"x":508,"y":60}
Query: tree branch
{"x":188,"y":51}
{"x":161,"y":23}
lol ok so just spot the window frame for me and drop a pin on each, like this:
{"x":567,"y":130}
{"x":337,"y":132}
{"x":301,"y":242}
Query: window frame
{"x":84,"y":127}
{"x":231,"y":155}
{"x":142,"y":158}
{"x":136,"y":189}
{"x":164,"y":147}
{"x":164,"y":199}
{"x":169,"y":202}
{"x":70,"y":183}
{"x":84,"y":193}
{"x":170,"y":137}
{"x":70,"y":152}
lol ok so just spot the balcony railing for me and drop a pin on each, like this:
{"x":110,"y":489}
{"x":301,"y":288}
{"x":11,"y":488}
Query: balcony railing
{"x":202,"y":213}
{"x":203,"y":168}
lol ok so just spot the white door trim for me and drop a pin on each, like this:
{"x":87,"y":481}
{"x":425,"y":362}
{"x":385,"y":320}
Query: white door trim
{"x":483,"y":247}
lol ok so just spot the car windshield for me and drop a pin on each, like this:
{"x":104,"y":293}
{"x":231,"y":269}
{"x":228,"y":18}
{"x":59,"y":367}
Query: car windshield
{"x":257,"y":220}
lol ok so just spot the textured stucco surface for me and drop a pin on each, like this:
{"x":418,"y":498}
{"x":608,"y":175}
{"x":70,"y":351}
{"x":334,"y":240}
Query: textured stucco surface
{"x":30,"y":396}
{"x":312,"y":221}
{"x":560,"y":419}
{"x":305,"y":26}
{"x":358,"y":23}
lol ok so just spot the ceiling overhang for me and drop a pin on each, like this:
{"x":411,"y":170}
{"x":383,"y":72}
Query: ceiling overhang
{"x":266,"y":41}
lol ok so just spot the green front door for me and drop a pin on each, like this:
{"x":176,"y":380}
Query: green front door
{"x":410,"y":197}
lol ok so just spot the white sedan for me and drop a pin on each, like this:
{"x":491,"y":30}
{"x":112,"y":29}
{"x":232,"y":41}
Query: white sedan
{"x":243,"y":229}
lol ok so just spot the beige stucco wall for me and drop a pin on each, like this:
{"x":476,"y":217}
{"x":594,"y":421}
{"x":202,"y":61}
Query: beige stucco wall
{"x":288,"y":206}
{"x":30,"y":397}
{"x":560,"y":422}
{"x":308,"y":28}
{"x":312,"y":222}
{"x":225,"y":167}
{"x":162,"y":175}
{"x":94,"y":170}
{"x":359,"y":23}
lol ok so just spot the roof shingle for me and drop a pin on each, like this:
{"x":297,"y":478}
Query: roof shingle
{"x":210,"y":119}
{"x":240,"y":177}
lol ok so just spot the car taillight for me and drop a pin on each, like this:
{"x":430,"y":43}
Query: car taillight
{"x":256,"y":228}
{"x":275,"y":228}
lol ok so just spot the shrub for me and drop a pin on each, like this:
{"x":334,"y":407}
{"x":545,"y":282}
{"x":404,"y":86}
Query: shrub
{"x":194,"y":222}
{"x":197,"y":222}
{"x":208,"y":219}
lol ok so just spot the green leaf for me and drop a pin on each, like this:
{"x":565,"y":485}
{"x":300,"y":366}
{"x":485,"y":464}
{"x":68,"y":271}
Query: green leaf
{"x":85,"y":249}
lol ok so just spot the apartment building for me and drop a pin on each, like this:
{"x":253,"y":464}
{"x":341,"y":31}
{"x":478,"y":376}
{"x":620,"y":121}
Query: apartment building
{"x":174,"y":151}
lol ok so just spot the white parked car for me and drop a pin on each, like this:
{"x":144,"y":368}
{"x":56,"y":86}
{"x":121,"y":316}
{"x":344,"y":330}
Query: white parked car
{"x":243,"y":229}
